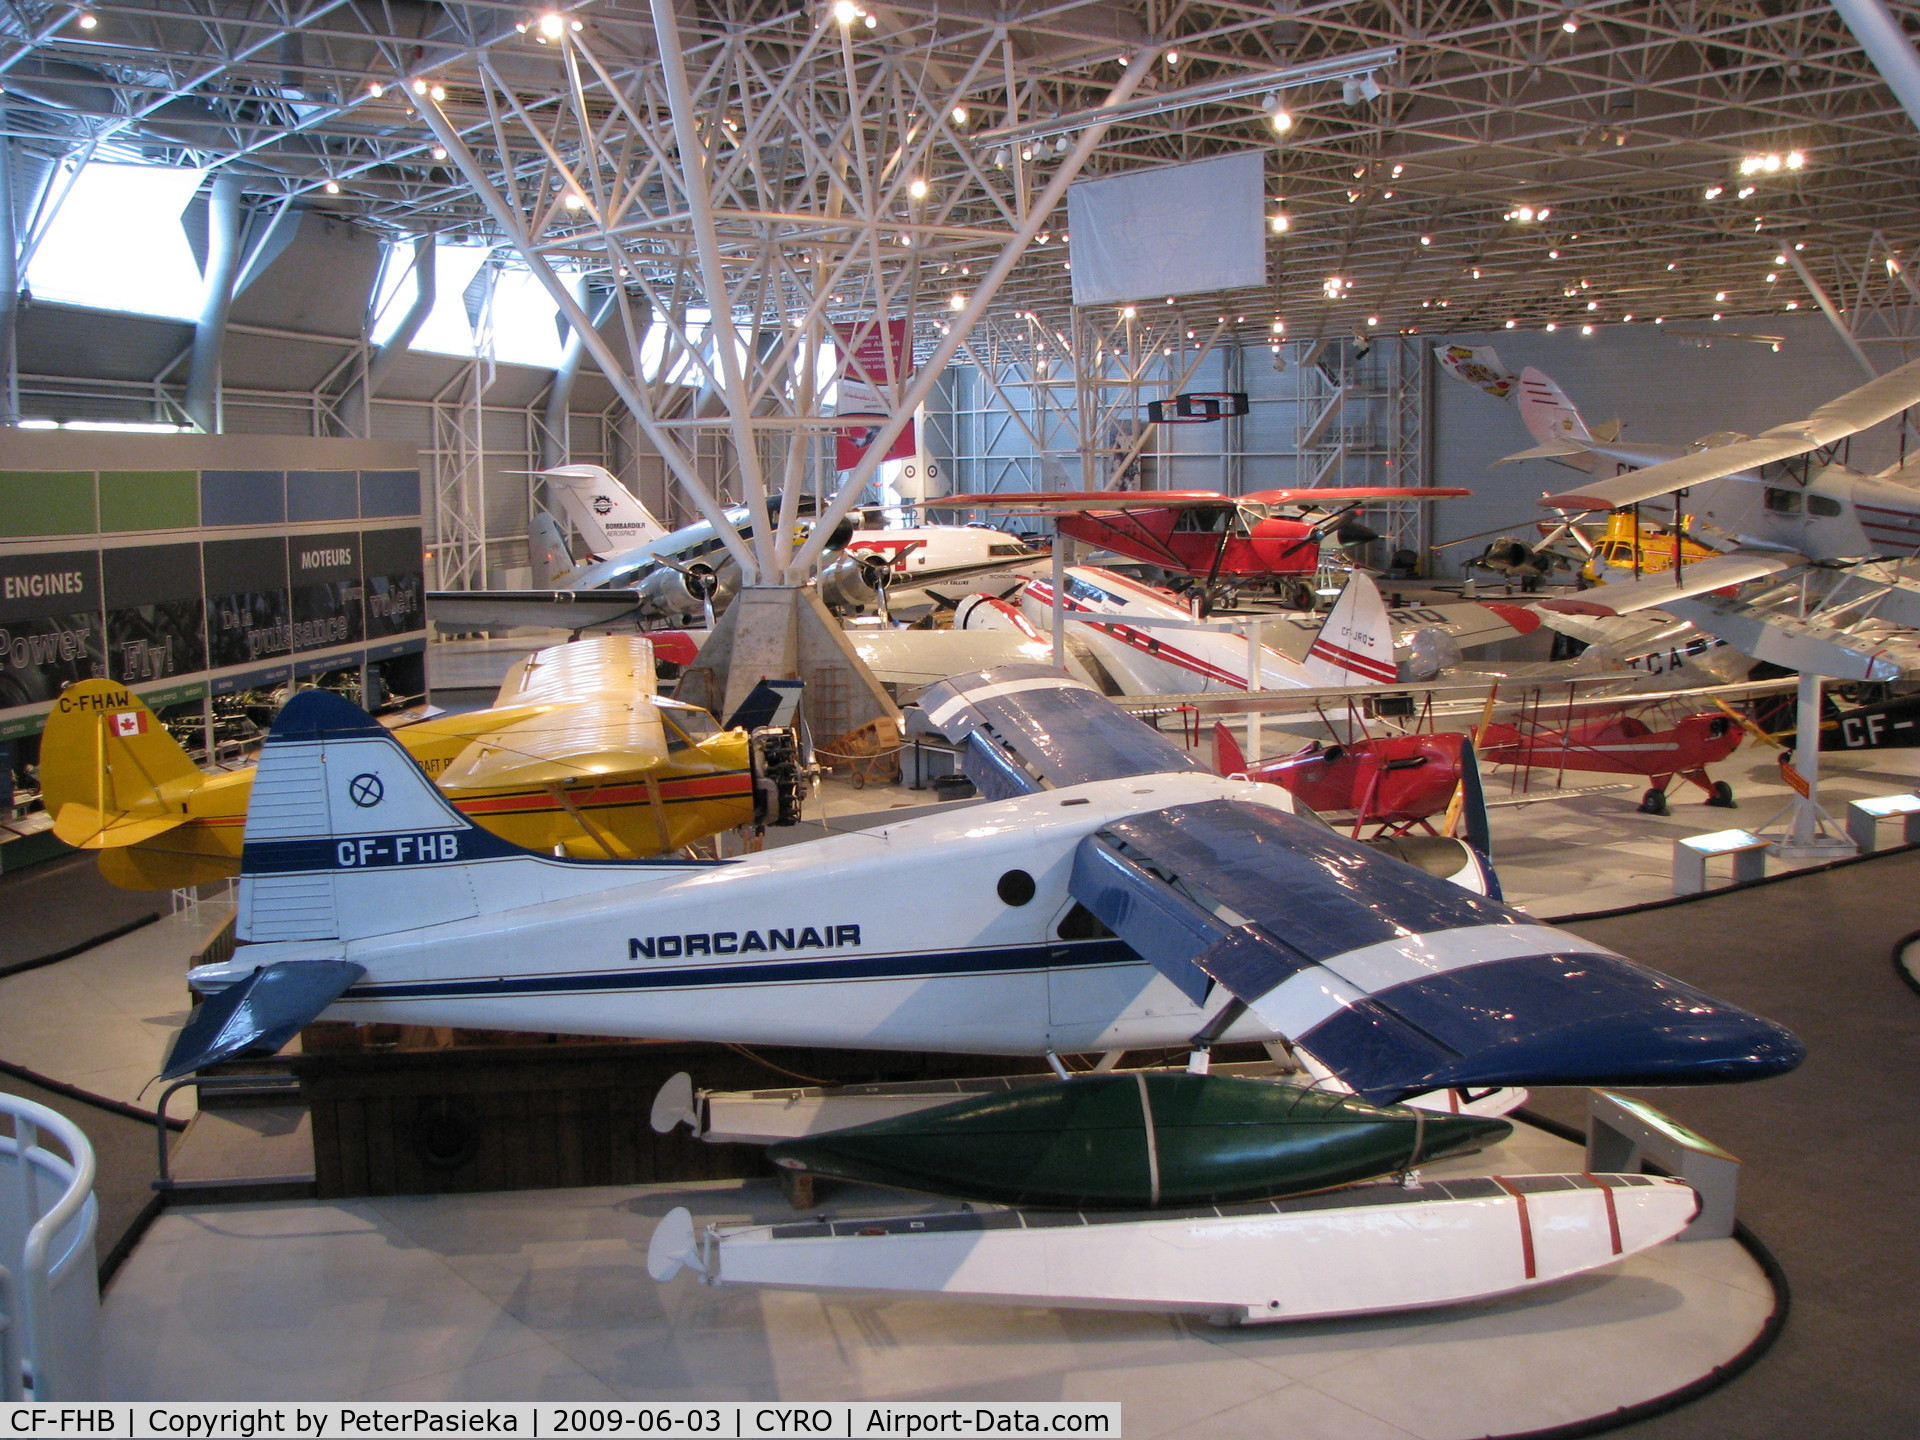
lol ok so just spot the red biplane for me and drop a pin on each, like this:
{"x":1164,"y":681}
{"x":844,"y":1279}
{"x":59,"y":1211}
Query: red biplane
{"x":1208,"y":536}
{"x":1393,"y":781}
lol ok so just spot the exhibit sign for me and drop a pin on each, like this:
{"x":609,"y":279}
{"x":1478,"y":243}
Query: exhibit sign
{"x":876,"y":359}
{"x":244,"y":563}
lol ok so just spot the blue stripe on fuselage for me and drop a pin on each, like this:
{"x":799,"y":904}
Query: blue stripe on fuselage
{"x":925,"y":965}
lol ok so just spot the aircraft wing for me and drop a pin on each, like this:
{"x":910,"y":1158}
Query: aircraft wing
{"x":920,"y":657}
{"x":1659,"y":591}
{"x":604,"y":737}
{"x":604,"y":665}
{"x":554,"y":609}
{"x":1873,"y":402}
{"x":1053,"y":501}
{"x":1314,"y":495}
{"x":1395,"y":980}
{"x":1807,"y":644}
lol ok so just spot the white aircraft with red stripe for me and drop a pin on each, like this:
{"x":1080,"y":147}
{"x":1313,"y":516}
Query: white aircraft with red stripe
{"x":1149,"y":644}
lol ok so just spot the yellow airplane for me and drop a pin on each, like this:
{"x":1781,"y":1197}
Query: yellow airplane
{"x":579,"y":756}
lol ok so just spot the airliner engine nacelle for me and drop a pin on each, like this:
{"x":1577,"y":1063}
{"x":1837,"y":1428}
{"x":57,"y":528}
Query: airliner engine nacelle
{"x":686,"y":591}
{"x":852,"y":584}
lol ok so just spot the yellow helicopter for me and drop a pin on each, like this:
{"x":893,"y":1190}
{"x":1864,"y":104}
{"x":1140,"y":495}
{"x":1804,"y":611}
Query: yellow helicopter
{"x":580,"y":756}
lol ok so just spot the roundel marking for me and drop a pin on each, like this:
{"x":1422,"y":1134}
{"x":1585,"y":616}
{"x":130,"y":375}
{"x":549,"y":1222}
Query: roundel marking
{"x":366,"y":791}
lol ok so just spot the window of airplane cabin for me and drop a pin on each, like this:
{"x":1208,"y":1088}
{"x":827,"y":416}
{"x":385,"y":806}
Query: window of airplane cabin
{"x":1783,"y":502}
{"x":115,"y":242}
{"x":1822,"y":505}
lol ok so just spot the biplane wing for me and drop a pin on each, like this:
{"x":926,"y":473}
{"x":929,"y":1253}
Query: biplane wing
{"x":1659,"y":591}
{"x":1877,"y":400}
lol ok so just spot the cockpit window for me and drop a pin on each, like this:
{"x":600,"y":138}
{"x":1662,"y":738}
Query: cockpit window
{"x":1822,"y":505}
{"x":1783,"y":502}
{"x":687,"y":727}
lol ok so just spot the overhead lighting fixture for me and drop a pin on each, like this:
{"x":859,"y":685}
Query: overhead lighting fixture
{"x":575,"y":200}
{"x":1212,"y":92}
{"x":1426,"y":240}
{"x":845,"y":11}
{"x":1360,"y":89}
{"x":375,"y":89}
{"x":1586,"y":329}
{"x":1278,"y":116}
{"x":959,"y":114}
{"x":552,"y":26}
{"x":439,"y":152}
{"x":419,"y":87}
{"x":332,"y":187}
{"x":438,"y":92}
{"x":917,"y":189}
{"x":1281,"y":224}
{"x":1712,"y":192}
{"x":1173,"y":57}
{"x":1570,"y":25}
{"x":87,"y":22}
{"x":1127,"y":313}
{"x":957,"y":302}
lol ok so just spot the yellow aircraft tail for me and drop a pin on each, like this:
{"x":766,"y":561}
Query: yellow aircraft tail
{"x":110,"y":774}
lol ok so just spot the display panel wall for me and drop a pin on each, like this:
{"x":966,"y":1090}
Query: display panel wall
{"x":189,"y":566}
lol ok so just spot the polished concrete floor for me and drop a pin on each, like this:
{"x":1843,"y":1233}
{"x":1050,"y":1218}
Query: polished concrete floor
{"x":545,"y":1295}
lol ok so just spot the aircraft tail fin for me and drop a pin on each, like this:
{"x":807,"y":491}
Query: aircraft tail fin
{"x":1355,"y":643}
{"x":110,"y":774}
{"x":1228,"y":758}
{"x":547,"y":548}
{"x":1550,"y":417}
{"x":347,"y":837}
{"x":1475,"y":826}
{"x":603,"y":510}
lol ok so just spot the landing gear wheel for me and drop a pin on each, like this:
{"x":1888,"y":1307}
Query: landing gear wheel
{"x":1722,"y":796}
{"x":1654,"y":802}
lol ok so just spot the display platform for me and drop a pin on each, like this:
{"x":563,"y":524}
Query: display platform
{"x":545,"y":1294}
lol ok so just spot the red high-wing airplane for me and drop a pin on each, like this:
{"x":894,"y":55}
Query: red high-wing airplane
{"x":1624,"y":744}
{"x":1198,"y":532}
{"x":1393,"y":781}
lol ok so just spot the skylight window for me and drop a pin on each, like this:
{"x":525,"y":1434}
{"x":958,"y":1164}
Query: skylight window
{"x":526,"y":323}
{"x":448,"y":329}
{"x":116,"y":243}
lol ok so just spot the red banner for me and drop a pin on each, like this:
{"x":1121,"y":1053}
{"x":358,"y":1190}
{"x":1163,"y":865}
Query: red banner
{"x":855,"y":439}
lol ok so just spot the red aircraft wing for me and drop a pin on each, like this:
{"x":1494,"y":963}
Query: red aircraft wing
{"x":1354,"y":492}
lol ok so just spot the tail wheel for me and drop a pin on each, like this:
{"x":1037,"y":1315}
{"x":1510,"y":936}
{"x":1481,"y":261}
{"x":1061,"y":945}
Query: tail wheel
{"x":1654,"y":802}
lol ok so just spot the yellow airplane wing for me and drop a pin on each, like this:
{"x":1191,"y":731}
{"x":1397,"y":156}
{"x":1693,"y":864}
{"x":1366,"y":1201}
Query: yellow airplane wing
{"x":605,"y":665}
{"x":606,"y":736}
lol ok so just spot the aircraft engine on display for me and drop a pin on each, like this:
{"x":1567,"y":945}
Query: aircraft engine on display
{"x":689,"y":589}
{"x":854,"y":584}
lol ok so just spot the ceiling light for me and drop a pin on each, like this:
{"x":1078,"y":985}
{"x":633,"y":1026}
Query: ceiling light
{"x":1793,"y":304}
{"x":333,"y":187}
{"x":845,"y":11}
{"x":1373,"y":319}
{"x":1551,"y":327}
{"x":1712,"y":192}
{"x":1716,"y":314}
{"x":439,"y":152}
{"x":552,"y":26}
{"x":872,"y":22}
{"x":1553,"y":254}
{"x":1772,"y":278}
{"x":1173,"y":57}
{"x":918,"y":190}
{"x":1361,"y":88}
{"x":957,"y":302}
{"x":1542,"y":213}
{"x":1026,"y":152}
{"x":1398,"y":171}
{"x":1281,"y":121}
{"x":575,"y":200}
{"x":1569,"y":25}
{"x":1795,"y":160}
{"x":87,"y":22}
{"x":1586,"y":329}
{"x":1281,"y":224}
{"x":1593,"y":304}
{"x":376,"y":89}
{"x":1426,"y":239}
{"x":1744,"y":192}
{"x":1720,"y":297}
{"x":1127,"y":313}
{"x":1511,"y":324}
{"x":959,"y":114}
{"x":419,"y":87}
{"x":438,"y":92}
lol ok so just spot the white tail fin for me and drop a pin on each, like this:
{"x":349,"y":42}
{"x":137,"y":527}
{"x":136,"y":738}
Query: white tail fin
{"x":1355,"y":644}
{"x":1550,"y":417}
{"x":603,"y":510}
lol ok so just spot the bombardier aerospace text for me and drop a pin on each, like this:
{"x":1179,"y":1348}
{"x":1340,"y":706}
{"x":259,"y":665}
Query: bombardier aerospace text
{"x":1109,"y":894}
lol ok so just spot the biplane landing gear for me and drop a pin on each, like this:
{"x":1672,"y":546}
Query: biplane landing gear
{"x":1721,"y":796}
{"x":1654,"y":802}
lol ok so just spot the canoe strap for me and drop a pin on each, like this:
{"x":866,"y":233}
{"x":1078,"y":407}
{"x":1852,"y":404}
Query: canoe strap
{"x":1153,"y":1141}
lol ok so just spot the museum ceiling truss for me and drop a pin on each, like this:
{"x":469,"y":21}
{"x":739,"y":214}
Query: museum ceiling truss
{"x":1527,"y":161}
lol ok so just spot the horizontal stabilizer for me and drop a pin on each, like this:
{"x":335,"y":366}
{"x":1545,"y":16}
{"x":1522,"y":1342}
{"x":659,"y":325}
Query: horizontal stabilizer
{"x":259,"y":1014}
{"x":1549,"y":451}
{"x":1395,"y":980}
{"x":1653,"y":592}
{"x":1811,"y":645}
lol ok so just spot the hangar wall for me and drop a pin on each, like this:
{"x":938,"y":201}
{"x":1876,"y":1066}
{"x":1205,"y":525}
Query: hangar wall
{"x":1664,"y":389}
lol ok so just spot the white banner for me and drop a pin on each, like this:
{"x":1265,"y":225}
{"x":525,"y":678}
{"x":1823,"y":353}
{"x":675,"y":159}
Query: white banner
{"x":1179,"y":230}
{"x":677,"y":1419}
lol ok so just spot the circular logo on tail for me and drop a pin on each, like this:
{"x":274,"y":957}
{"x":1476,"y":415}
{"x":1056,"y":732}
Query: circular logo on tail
{"x":366,"y":791}
{"x":602,"y":505}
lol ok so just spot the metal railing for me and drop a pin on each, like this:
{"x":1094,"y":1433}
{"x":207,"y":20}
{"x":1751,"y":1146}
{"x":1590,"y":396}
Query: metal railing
{"x":231,"y":1085}
{"x":49,"y":1294}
